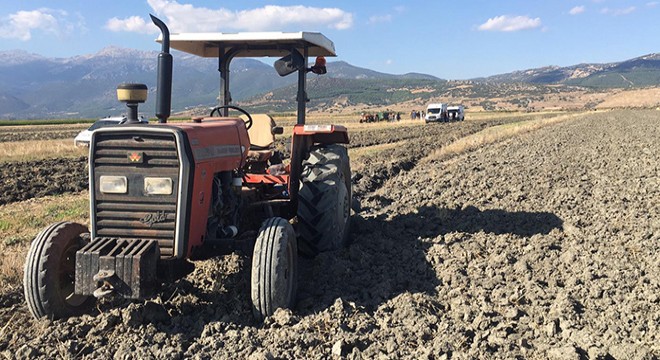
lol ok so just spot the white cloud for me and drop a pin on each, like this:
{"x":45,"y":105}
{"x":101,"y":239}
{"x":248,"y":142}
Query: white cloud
{"x":389,"y":62}
{"x":510,"y":23}
{"x":577,"y":10}
{"x":131,"y":24}
{"x":618,"y":12}
{"x":652,"y":4}
{"x":22,"y":24}
{"x":386,"y":18}
{"x":376,"y":19}
{"x":188,"y":18}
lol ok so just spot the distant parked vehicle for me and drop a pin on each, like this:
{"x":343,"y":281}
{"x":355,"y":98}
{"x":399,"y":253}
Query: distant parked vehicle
{"x":436,"y":113}
{"x":456,"y":113}
{"x":85,"y":136}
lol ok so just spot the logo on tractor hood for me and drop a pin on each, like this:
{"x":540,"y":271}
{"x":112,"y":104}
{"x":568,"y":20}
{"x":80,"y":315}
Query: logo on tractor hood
{"x":135,"y":157}
{"x":154,"y":218}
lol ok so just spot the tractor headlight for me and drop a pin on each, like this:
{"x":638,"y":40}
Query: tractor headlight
{"x":113,"y":184}
{"x":157,"y":186}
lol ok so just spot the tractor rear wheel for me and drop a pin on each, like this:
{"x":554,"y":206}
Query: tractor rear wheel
{"x":274,"y":268}
{"x":324,"y":200}
{"x":49,"y":274}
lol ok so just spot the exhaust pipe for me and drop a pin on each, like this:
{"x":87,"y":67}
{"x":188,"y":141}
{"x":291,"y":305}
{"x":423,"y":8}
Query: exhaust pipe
{"x":164,"y":96}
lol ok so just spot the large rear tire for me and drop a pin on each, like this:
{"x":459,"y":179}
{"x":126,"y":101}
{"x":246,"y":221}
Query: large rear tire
{"x":274,"y":268}
{"x":324,"y":200}
{"x":49,"y":273}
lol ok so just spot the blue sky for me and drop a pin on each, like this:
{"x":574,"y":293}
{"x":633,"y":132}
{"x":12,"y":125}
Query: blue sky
{"x":452,"y":40}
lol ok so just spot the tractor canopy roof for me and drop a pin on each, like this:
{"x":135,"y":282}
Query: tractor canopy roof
{"x":251,"y":44}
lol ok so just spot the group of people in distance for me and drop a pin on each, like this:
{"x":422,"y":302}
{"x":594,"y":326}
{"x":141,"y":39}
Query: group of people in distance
{"x":417,"y":115}
{"x":385,"y":115}
{"x":390,"y":116}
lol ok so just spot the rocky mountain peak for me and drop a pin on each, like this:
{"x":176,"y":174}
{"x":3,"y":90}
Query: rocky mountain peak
{"x":15,"y":57}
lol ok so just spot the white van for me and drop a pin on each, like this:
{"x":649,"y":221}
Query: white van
{"x":436,"y":112}
{"x":85,"y":136}
{"x":455,"y":113}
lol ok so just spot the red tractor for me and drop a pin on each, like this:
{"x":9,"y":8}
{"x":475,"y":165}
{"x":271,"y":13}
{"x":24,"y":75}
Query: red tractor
{"x":165,"y":193}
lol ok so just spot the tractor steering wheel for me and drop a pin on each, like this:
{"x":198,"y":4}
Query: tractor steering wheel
{"x":248,"y":122}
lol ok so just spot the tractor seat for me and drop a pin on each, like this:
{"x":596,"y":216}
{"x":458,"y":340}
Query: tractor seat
{"x":261,"y":137}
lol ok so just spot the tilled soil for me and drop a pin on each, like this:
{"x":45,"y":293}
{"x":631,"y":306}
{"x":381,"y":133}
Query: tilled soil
{"x":30,"y":179}
{"x":25,"y":180}
{"x":544,"y":246}
{"x":41,"y":132}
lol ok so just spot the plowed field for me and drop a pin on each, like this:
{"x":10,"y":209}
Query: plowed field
{"x":545,"y":245}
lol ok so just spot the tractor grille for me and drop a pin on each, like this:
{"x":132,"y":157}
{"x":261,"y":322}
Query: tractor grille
{"x":136,"y":215}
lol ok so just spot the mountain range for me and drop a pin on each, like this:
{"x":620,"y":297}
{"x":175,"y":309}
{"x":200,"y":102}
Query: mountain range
{"x":33,"y":86}
{"x":637,"y":72}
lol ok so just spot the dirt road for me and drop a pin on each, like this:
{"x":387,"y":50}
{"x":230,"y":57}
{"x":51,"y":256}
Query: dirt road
{"x":543,"y":246}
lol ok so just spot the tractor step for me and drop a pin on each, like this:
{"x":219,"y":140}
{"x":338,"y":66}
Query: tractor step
{"x":117,"y":266}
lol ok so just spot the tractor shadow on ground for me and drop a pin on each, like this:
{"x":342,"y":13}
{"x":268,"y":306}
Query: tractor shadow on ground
{"x":387,"y":257}
{"x":441,"y":221}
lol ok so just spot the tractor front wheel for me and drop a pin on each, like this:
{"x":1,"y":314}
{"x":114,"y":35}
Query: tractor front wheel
{"x":49,"y":274}
{"x":274,"y":268}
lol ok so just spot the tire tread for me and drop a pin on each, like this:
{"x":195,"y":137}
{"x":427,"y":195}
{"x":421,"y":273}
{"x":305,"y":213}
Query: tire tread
{"x":39,"y":290}
{"x":275,"y":235}
{"x":324,"y":172}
